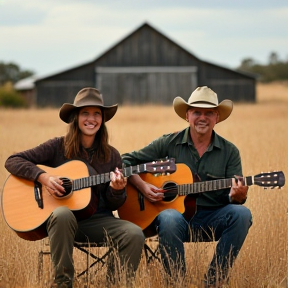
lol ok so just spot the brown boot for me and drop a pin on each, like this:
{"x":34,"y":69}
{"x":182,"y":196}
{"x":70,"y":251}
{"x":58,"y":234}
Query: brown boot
{"x":62,"y":282}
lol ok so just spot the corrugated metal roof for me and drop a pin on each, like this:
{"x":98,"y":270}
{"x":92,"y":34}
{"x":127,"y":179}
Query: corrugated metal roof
{"x":25,"y":84}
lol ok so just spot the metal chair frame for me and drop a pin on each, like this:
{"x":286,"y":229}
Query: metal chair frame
{"x":151,"y":253}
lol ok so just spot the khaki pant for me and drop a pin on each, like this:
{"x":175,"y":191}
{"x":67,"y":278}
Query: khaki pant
{"x":63,"y":229}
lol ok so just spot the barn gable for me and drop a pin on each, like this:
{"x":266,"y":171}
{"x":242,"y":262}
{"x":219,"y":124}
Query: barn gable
{"x":145,"y":67}
{"x":146,"y":46}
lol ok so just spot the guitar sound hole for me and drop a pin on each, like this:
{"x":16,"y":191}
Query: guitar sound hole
{"x":67,"y":184}
{"x":170,"y":191}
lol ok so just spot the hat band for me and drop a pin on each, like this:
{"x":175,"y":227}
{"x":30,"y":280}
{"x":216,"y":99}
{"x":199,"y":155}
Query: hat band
{"x":203,"y":102}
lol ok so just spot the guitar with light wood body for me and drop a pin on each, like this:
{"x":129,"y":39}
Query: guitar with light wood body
{"x":26,"y":206}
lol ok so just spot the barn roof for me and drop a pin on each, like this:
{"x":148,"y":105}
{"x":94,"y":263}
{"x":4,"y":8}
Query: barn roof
{"x":144,"y":25}
{"x":25,"y":84}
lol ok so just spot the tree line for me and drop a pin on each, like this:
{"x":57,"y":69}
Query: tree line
{"x":12,"y":72}
{"x":275,"y":70}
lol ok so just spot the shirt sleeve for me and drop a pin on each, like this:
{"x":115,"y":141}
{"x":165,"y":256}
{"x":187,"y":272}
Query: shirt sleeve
{"x":156,"y":150}
{"x":24,"y":164}
{"x":234,"y":166}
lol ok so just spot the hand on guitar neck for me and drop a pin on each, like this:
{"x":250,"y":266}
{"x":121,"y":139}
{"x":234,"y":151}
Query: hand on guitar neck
{"x":117,"y":180}
{"x":238,"y":192}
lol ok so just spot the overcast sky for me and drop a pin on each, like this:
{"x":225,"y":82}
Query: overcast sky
{"x":49,"y":36}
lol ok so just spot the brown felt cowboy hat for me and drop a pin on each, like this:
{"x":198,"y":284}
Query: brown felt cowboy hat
{"x":87,"y":97}
{"x":203,"y":97}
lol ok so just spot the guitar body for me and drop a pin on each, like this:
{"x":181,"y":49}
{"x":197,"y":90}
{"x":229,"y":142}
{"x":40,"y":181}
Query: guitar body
{"x":131,"y":209}
{"x":20,"y":209}
{"x":139,"y":210}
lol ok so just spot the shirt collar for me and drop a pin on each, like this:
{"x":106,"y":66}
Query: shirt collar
{"x":187,"y":139}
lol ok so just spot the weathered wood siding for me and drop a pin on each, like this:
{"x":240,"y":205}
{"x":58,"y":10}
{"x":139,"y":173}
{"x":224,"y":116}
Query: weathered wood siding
{"x":62,"y":88}
{"x":147,"y":47}
{"x":227,"y":83}
{"x":145,"y":85}
{"x":145,"y":67}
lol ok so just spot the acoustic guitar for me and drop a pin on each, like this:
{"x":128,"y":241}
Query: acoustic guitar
{"x":26,"y":206}
{"x":180,"y":193}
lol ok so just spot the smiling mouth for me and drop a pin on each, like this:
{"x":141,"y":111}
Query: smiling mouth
{"x":201,"y":124}
{"x":91,"y":126}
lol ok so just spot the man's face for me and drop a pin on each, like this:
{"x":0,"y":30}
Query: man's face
{"x":202,"y":120}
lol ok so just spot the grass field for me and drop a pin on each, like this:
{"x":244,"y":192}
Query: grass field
{"x":259,"y":131}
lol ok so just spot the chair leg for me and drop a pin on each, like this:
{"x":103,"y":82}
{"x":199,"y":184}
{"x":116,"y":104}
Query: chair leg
{"x":88,"y":272}
{"x":40,"y":265}
{"x":41,"y":255}
{"x":101,"y":259}
{"x":98,"y":259}
{"x":151,"y":254}
{"x":86,"y":248}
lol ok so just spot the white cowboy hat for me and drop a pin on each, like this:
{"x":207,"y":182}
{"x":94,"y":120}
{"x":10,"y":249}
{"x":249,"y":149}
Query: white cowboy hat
{"x":203,"y":97}
{"x":87,"y":97}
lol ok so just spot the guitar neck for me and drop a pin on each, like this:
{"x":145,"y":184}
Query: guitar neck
{"x":211,"y":185}
{"x":94,"y":180}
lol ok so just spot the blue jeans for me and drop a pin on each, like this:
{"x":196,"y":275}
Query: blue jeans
{"x":228,"y":225}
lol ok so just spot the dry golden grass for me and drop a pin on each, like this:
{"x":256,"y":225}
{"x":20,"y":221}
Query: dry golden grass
{"x":259,"y":131}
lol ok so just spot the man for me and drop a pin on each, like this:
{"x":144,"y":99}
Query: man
{"x":220,"y":215}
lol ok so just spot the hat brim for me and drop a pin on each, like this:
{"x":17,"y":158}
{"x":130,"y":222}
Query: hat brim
{"x":224,"y":108}
{"x":67,"y":109}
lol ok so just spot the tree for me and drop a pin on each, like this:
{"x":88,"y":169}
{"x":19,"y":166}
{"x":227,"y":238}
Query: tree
{"x":273,"y":58}
{"x":273,"y":71}
{"x":247,"y":63}
{"x":11,"y":72}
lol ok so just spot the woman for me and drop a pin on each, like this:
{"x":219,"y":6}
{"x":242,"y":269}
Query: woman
{"x":86,"y":140}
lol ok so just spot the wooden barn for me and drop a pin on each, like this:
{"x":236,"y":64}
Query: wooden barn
{"x":146,"y":67}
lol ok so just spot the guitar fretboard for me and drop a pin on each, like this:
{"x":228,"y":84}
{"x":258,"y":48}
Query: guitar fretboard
{"x":212,"y":185}
{"x":94,"y":180}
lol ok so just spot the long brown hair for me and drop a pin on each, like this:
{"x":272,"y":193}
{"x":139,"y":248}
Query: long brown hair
{"x":72,"y":141}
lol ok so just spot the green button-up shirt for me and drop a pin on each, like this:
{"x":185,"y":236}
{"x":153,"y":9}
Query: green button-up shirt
{"x":220,"y":161}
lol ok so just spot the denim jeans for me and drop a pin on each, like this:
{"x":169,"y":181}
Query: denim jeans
{"x":228,"y":225}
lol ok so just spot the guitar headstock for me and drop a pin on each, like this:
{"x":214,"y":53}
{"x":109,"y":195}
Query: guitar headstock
{"x":272,"y":180}
{"x":161,"y":166}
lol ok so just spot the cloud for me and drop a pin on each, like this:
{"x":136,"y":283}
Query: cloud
{"x":48,"y":36}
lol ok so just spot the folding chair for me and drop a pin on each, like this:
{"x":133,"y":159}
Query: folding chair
{"x":86,"y":248}
{"x":151,"y":249}
{"x":44,"y":250}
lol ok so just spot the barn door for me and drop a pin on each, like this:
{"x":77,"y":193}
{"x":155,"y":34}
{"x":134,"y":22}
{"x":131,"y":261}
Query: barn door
{"x":145,"y":85}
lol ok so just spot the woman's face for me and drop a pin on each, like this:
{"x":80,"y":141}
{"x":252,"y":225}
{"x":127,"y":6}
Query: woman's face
{"x":89,"y":120}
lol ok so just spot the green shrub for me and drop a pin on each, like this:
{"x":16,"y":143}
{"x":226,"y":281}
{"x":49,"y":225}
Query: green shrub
{"x":11,"y":99}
